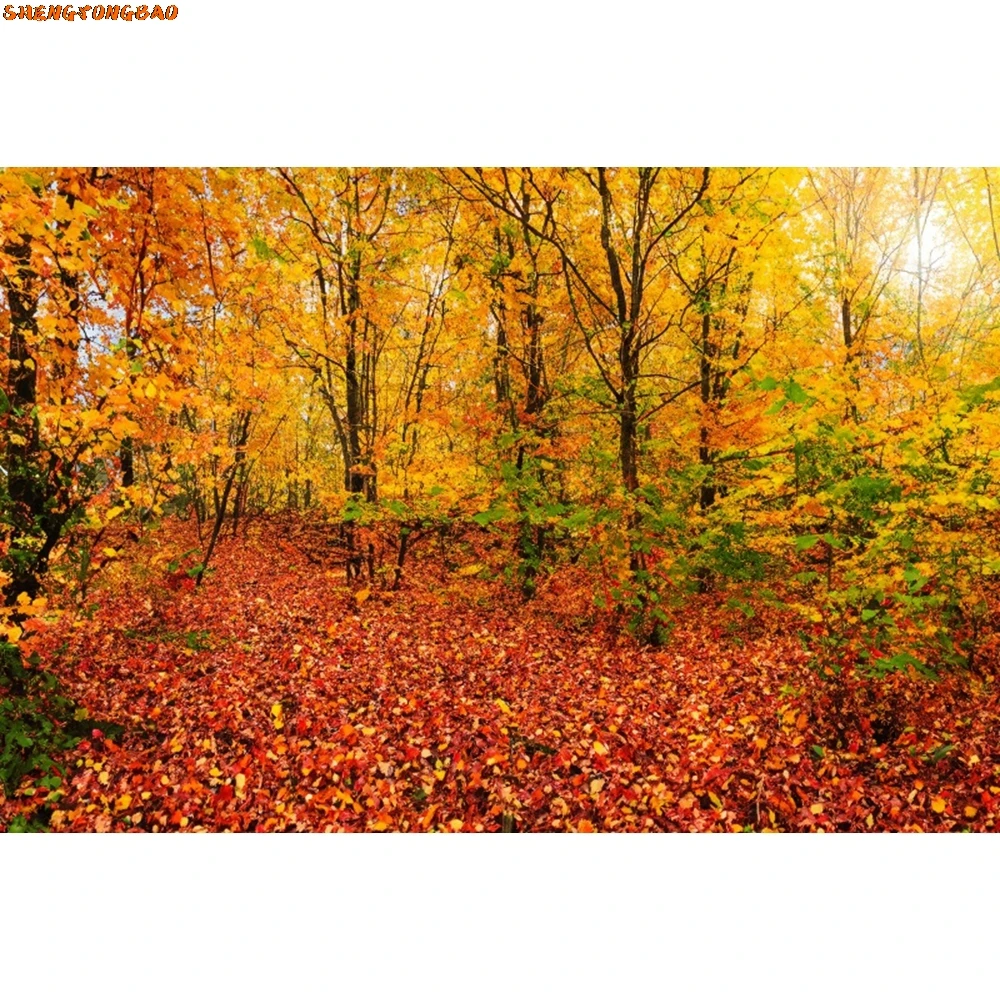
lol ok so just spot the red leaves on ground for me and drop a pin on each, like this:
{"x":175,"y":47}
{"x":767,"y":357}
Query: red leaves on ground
{"x":272,"y":700}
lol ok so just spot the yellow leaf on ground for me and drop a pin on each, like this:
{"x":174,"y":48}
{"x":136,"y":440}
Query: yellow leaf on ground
{"x":938,"y":805}
{"x":816,"y":808}
{"x":502,"y":705}
{"x":600,"y":748}
{"x":970,"y":812}
{"x":471,"y":570}
{"x":362,"y":595}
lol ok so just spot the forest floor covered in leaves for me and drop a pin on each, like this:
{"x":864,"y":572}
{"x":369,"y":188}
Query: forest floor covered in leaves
{"x":278,"y":698}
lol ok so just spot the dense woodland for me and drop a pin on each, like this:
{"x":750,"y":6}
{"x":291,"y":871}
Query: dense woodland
{"x":499,"y":499}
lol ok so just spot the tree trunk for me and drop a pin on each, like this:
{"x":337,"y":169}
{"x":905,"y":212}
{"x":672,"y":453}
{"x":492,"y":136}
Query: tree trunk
{"x":706,"y":495}
{"x":24,"y":480}
{"x":127,"y":454}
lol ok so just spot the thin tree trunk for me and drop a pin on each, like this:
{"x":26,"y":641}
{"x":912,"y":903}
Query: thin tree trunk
{"x":222,"y":502}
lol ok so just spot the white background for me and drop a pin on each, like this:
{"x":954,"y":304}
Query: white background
{"x":533,"y":81}
{"x":539,"y":82}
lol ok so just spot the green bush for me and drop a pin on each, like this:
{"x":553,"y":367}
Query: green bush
{"x":33,"y":720}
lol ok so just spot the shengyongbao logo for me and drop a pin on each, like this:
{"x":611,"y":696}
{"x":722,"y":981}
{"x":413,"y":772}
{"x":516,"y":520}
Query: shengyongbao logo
{"x":100,"y":12}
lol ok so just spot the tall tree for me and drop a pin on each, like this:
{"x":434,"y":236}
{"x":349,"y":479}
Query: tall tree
{"x":614,"y":277}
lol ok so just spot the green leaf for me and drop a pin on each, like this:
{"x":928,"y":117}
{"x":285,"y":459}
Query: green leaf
{"x":577,"y":519}
{"x":263,"y":251}
{"x":487,"y":517}
{"x":900,"y":662}
{"x":353,"y":510}
{"x":796,"y":394}
{"x":803,"y":542}
{"x":975,"y":395}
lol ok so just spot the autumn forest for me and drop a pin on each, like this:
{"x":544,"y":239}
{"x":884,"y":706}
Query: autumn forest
{"x":499,"y":499}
